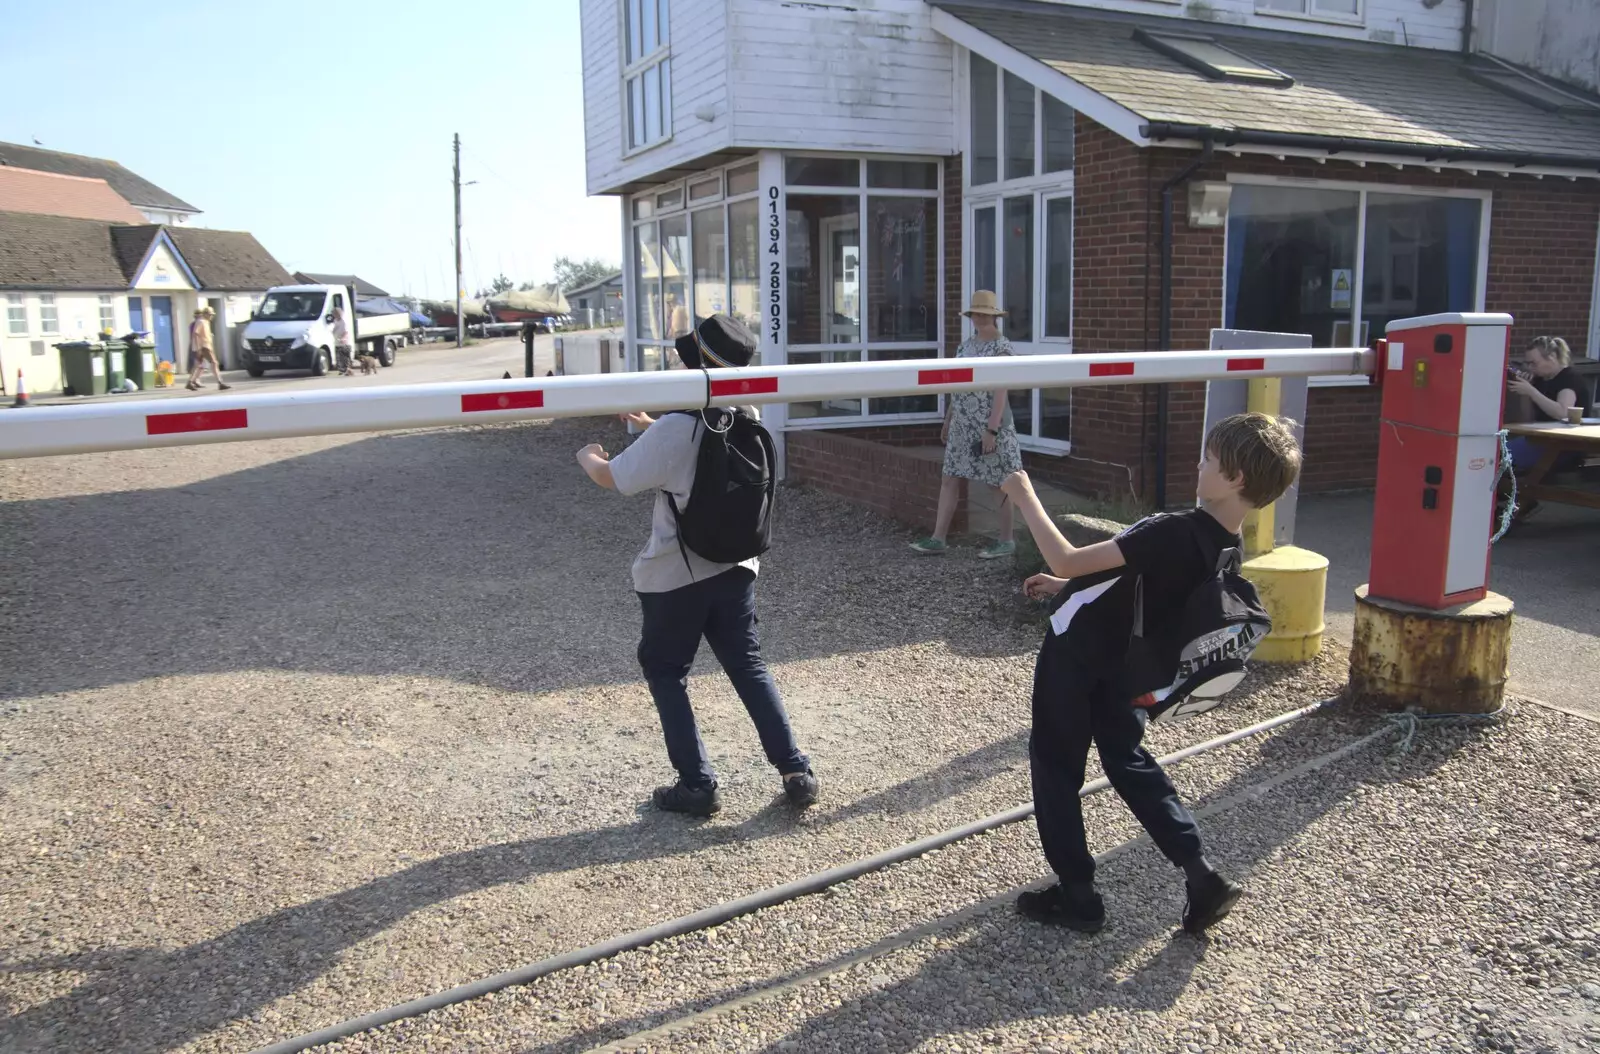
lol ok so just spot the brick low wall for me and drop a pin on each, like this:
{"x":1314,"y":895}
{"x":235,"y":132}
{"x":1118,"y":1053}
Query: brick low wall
{"x":897,"y":481}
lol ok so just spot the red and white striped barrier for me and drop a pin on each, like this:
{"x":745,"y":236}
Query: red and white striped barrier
{"x":48,"y":430}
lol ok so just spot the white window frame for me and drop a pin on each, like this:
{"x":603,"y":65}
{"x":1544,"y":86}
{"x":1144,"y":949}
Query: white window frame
{"x":49,"y":314}
{"x":108,"y":313}
{"x":1485,"y":198}
{"x":1043,"y":187}
{"x":862,"y":347}
{"x":634,"y":68}
{"x":1593,"y":349}
{"x":1311,"y":14}
{"x":635,"y":343}
{"x":16,"y":302}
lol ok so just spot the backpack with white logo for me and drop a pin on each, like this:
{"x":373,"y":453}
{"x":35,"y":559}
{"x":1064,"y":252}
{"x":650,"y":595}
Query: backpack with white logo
{"x":729,"y":515}
{"x":1184,"y":667}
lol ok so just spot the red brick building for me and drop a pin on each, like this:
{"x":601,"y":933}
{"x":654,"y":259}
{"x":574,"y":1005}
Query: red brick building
{"x":843,"y":178}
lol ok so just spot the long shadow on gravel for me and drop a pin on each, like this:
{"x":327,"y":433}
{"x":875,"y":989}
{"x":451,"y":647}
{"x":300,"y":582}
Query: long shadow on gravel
{"x":958,"y":991}
{"x":130,"y":993}
{"x":132,"y":1002}
{"x":480,"y":556}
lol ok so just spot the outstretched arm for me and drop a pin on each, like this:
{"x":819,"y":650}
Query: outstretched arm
{"x":1065,"y":559}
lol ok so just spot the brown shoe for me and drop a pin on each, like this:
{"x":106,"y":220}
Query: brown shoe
{"x":224,"y":387}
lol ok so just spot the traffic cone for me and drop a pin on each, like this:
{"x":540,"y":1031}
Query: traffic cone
{"x":22,"y":392}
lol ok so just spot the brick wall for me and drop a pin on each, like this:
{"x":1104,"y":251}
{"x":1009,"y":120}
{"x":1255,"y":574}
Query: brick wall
{"x":878,"y":473}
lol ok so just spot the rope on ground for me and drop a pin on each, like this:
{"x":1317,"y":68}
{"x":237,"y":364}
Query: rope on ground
{"x":1413,"y":718}
{"x":1509,"y":510}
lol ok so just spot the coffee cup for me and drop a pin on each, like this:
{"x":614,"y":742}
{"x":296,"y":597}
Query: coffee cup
{"x":1574,"y":415}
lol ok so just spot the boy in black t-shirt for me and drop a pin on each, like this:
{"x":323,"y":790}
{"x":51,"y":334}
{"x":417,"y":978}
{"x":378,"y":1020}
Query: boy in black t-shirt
{"x":1079,"y":695}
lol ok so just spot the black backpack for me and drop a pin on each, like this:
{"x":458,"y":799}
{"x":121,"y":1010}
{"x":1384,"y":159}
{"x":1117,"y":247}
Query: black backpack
{"x":1184,"y":667}
{"x":729,"y":517}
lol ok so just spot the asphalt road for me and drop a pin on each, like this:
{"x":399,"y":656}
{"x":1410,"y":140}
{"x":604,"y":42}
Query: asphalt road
{"x":1549,"y":566}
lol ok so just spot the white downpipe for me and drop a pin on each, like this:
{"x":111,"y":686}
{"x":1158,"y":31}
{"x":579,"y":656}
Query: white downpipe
{"x":50,"y":430}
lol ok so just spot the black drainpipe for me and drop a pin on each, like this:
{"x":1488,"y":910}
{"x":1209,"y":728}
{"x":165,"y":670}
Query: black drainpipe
{"x":1467,"y":27}
{"x":1164,"y":342}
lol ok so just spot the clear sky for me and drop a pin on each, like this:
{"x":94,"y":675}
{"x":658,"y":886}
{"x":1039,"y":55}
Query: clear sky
{"x":324,"y":129}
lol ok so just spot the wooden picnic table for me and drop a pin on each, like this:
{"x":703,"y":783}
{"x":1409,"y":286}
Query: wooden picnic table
{"x":1555,"y":438}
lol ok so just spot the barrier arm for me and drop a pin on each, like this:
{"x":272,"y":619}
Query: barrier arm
{"x":43,"y":431}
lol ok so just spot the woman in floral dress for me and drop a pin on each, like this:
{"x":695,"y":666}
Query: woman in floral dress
{"x":979,"y":435}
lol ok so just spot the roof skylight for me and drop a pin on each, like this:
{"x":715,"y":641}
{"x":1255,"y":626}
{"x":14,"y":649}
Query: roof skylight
{"x":1205,"y":55}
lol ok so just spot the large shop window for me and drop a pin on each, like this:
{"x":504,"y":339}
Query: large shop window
{"x":862,"y":272}
{"x":647,"y":73}
{"x":694,"y":254}
{"x":1301,"y":260}
{"x":1020,"y":229}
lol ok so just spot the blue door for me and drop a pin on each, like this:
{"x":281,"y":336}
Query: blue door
{"x":161,"y":312}
{"x":136,"y":314}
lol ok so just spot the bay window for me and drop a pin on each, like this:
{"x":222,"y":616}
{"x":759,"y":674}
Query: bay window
{"x":1019,"y":191}
{"x":861,"y":274}
{"x":695,"y":253}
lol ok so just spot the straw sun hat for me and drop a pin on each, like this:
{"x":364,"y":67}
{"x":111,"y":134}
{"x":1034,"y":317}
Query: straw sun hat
{"x":984,"y":302}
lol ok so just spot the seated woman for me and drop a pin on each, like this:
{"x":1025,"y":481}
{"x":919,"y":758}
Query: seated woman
{"x":1552,"y":387}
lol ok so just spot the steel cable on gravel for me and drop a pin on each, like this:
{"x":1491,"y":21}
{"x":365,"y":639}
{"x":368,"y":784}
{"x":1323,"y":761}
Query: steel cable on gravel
{"x":720,"y":913}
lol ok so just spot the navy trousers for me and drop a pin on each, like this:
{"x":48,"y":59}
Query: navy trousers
{"x":1072,"y":708}
{"x":722,"y":610}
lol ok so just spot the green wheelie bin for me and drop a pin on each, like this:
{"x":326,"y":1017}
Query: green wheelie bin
{"x":83,"y":367}
{"x":141,"y":361}
{"x":116,"y":353}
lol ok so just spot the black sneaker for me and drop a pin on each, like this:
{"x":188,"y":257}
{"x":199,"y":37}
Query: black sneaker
{"x":801,"y":790}
{"x":1209,"y":902}
{"x":696,"y":801}
{"x":1056,"y":907}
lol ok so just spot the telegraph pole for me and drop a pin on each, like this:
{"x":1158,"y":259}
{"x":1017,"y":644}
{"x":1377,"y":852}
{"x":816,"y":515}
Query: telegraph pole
{"x":460,"y":322}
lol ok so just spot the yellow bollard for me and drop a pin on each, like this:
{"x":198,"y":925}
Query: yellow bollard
{"x":1293,"y":582}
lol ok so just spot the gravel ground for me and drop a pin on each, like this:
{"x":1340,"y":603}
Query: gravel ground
{"x":291,"y":731}
{"x":1441,"y":899}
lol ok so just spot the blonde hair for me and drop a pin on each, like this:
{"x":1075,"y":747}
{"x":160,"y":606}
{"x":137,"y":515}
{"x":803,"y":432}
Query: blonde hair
{"x":1548,"y":346}
{"x":1258,"y":449}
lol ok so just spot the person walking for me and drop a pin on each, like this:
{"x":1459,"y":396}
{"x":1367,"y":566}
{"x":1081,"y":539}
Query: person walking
{"x":979,"y":435}
{"x":341,"y":340}
{"x":201,"y":350}
{"x":687,"y":597}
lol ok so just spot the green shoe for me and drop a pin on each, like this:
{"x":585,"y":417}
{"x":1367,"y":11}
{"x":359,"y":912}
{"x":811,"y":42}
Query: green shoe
{"x":997,"y":550}
{"x":929,"y":546}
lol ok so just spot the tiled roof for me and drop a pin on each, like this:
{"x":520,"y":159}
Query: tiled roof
{"x":1350,"y":90}
{"x":64,"y":254}
{"x":230,"y":261}
{"x":52,"y":194}
{"x":57,"y":253}
{"x":134,"y":188}
{"x":363,"y":287}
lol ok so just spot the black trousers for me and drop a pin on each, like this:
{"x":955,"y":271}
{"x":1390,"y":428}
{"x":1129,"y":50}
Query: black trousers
{"x":1073,"y":707}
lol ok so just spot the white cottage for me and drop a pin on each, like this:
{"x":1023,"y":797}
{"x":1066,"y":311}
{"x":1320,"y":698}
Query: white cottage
{"x":64,"y":279}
